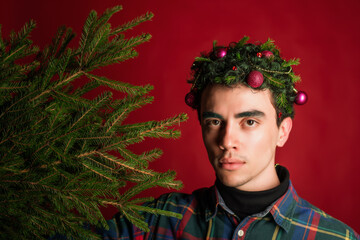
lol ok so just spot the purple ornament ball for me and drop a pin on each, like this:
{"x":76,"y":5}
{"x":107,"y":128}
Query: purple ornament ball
{"x":301,"y":98}
{"x":267,"y":54}
{"x":221,"y":52}
{"x":255,"y":79}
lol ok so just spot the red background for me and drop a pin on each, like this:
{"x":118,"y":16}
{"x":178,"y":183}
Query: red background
{"x":323,"y":151}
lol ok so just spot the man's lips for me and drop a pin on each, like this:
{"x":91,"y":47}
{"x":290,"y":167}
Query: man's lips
{"x":230,"y":164}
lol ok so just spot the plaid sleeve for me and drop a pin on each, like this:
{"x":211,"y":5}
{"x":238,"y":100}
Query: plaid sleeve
{"x":160,"y":226}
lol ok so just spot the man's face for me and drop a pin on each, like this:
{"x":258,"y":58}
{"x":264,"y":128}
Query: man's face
{"x":240,"y":135}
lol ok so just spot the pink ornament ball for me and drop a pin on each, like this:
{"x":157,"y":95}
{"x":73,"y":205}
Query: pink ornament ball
{"x":221,"y":52}
{"x":301,"y":98}
{"x":255,"y":79}
{"x":190,"y":99}
{"x":267,"y":54}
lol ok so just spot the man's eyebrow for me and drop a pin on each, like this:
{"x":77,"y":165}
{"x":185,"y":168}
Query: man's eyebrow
{"x":211,"y":115}
{"x":254,"y":113}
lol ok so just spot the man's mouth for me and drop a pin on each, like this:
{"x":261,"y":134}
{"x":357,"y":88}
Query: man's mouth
{"x":231,"y":164}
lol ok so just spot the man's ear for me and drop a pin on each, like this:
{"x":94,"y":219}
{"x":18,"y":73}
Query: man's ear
{"x":284,"y":131}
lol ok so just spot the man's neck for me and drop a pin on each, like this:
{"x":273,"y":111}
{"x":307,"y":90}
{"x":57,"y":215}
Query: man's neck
{"x":245,"y":203}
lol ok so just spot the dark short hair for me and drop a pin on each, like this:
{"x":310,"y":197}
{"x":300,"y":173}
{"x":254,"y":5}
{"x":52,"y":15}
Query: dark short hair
{"x":257,"y":66}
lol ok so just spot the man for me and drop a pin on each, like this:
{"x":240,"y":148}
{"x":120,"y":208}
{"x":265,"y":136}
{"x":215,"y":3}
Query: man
{"x":244,"y":95}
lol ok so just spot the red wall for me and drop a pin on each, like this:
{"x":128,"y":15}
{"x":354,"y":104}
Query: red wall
{"x":323,"y":151}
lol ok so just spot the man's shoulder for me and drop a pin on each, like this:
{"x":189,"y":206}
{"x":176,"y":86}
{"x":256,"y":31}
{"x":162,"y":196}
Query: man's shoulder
{"x":310,"y":216}
{"x":178,"y":202}
{"x":175,"y":202}
{"x":172,"y":200}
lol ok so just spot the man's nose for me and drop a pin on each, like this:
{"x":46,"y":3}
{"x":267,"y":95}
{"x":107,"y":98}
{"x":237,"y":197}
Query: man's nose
{"x":228,"y":137}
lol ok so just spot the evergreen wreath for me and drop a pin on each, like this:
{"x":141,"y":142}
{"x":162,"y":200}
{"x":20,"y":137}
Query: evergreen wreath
{"x":258,"y":66}
{"x":63,"y":155}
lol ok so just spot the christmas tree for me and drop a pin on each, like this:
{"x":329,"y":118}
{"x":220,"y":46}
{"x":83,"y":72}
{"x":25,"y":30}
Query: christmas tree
{"x":64,"y":155}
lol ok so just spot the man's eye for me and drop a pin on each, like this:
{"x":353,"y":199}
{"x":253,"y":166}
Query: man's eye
{"x":213,"y":122}
{"x":250,"y":122}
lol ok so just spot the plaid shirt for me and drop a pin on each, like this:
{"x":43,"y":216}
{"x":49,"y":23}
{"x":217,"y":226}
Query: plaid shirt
{"x":205,"y":216}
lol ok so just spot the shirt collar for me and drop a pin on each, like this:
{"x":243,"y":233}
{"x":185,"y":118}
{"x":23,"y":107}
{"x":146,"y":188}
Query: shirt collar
{"x":212,"y":203}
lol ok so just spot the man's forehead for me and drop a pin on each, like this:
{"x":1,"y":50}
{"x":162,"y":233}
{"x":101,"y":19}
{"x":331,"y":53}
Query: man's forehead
{"x":241,"y":90}
{"x":238,"y":96}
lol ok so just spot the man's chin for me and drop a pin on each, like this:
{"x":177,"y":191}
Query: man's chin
{"x":230,"y":181}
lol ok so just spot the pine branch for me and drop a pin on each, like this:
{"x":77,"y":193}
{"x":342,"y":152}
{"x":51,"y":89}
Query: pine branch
{"x":135,"y":218}
{"x":281,"y":100}
{"x":295,"y":78}
{"x":202,"y":59}
{"x":129,"y":25}
{"x":100,"y":37}
{"x":89,"y":86}
{"x":86,"y":35}
{"x":130,"y":156}
{"x":151,"y":155}
{"x":65,"y":40}
{"x":70,"y":98}
{"x":243,"y":41}
{"x":151,"y":181}
{"x":268,"y":45}
{"x":67,"y":80}
{"x":16,"y":39}
{"x":13,"y":104}
{"x":2,"y":44}
{"x":136,"y":133}
{"x":126,"y":165}
{"x":58,"y":147}
{"x":123,"y":51}
{"x":127,"y":105}
{"x":19,"y":44}
{"x":104,"y":18}
{"x":97,"y":104}
{"x":291,"y":62}
{"x":157,"y":211}
{"x":120,"y":86}
{"x":274,"y":81}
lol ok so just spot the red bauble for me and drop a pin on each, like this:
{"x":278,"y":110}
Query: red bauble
{"x":221,"y":52}
{"x":190,"y":99}
{"x":301,"y":98}
{"x":255,"y":79}
{"x":267,"y":54}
